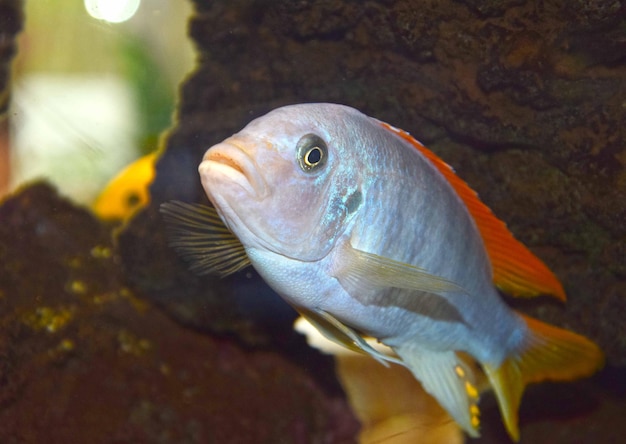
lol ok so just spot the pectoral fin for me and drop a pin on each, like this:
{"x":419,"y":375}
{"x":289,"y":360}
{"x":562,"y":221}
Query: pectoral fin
{"x":362,"y":270}
{"x":449,"y":380}
{"x":198,"y":234}
{"x":338,"y":332}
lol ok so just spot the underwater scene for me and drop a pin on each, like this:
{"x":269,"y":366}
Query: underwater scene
{"x":316,"y":221}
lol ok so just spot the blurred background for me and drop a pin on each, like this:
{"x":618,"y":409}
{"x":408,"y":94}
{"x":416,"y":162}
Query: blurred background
{"x":94,"y":84}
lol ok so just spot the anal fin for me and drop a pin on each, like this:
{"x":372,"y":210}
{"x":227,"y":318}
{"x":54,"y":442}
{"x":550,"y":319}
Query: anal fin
{"x":449,"y":380}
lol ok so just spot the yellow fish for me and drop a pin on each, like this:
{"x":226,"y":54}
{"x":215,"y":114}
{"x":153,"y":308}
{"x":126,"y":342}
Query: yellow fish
{"x":127,"y":191}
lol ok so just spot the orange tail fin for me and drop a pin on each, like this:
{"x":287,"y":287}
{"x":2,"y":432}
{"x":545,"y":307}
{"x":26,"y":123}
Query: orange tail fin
{"x":549,"y":353}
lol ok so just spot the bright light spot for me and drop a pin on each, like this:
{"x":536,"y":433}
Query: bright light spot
{"x":114,"y":11}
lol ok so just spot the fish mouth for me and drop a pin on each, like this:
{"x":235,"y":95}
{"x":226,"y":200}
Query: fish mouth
{"x":229,"y":160}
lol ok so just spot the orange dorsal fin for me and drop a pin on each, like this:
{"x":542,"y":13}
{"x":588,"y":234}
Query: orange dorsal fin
{"x":516,"y":270}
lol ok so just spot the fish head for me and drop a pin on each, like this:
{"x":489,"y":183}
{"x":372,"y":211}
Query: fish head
{"x":287,"y":182}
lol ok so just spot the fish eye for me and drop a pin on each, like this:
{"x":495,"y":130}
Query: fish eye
{"x":311,"y":152}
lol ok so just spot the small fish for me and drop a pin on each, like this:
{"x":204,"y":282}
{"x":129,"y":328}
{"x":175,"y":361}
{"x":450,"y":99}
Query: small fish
{"x":368,"y":234}
{"x":127,"y":191}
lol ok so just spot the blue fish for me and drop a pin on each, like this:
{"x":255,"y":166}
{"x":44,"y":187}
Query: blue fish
{"x":368,"y":234}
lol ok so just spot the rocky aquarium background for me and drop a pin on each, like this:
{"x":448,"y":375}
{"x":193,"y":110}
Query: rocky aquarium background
{"x":108,"y":339}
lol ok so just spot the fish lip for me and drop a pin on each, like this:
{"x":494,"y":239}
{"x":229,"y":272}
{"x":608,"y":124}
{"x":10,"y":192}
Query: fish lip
{"x":230,"y":159}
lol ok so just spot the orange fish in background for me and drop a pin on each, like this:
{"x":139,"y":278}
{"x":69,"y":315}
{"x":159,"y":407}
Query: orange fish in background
{"x":368,"y":234}
{"x":388,"y":401}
